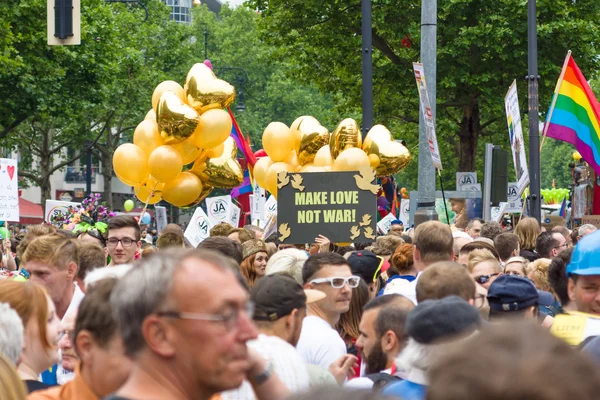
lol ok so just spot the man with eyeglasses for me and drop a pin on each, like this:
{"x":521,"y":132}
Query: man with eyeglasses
{"x":550,"y":244}
{"x":185,"y":320}
{"x":319,"y":343}
{"x":123,"y":239}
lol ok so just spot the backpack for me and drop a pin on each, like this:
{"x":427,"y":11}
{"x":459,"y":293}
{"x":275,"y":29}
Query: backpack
{"x":381,"y":380}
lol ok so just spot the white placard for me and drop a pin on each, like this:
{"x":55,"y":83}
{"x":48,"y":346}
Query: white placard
{"x":385,"y":223}
{"x":465,"y":178}
{"x":199,"y":227}
{"x":476,"y":187}
{"x":219,"y":209}
{"x":427,"y":115}
{"x":58,"y":208}
{"x":513,"y":198}
{"x":270,"y":211}
{"x":161,"y":217}
{"x":515,"y":134}
{"x":9,"y":190}
{"x":234,"y":218}
{"x":498,"y":212}
{"x":257,"y":204}
{"x":405,"y":213}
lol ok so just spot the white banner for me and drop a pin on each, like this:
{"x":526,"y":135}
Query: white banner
{"x":161,"y":217}
{"x":427,"y":115}
{"x":385,"y":223}
{"x":234,"y":218}
{"x":465,"y":178}
{"x":58,"y":208}
{"x":219,"y":209}
{"x":515,"y":134}
{"x":513,"y":198}
{"x":199,"y":227}
{"x":270,"y":211}
{"x":405,"y":213}
{"x":258,"y":203}
{"x":9,"y":190}
{"x":498,"y":212}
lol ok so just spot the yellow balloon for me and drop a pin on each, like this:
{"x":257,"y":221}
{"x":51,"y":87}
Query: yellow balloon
{"x":224,"y":171}
{"x":216,"y":151}
{"x":346,"y":135}
{"x":147,"y":137}
{"x":153,"y":185}
{"x":312,"y":168}
{"x":130,"y":163}
{"x":176,"y":120}
{"x":206,"y":190}
{"x":188,"y":150}
{"x":167,"y":86}
{"x":151,"y":115}
{"x":165,"y":163}
{"x":313,"y":137}
{"x":271,"y":177}
{"x":323,"y":157}
{"x":294,"y":128}
{"x":292,"y":159}
{"x":214,"y":126}
{"x":277,"y":141}
{"x":146,"y":195}
{"x":351,"y":160}
{"x":182,"y":190}
{"x":260,"y":170}
{"x":387,"y":155}
{"x":204,"y":91}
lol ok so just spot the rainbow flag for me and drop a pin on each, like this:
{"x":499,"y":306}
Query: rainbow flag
{"x":241,"y":142}
{"x":574,"y":114}
{"x":245,"y":187}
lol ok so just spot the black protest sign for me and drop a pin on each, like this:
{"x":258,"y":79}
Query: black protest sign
{"x":341,"y":206}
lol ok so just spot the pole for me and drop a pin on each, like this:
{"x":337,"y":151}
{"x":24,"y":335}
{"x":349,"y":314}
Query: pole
{"x":88,"y":173}
{"x":533,"y":114}
{"x":426,"y":200}
{"x":367,"y":67}
{"x":444,"y":197}
{"x":206,"y":42}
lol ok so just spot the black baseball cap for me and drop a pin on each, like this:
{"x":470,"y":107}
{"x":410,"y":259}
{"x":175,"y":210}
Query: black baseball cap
{"x":513,"y":293}
{"x":276,"y":296}
{"x":366,"y":264}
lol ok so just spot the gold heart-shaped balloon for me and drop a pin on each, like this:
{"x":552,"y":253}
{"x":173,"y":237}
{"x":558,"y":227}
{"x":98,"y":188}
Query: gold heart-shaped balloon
{"x":346,"y":135}
{"x":313,"y":136}
{"x":392,"y":155}
{"x":223,"y":171}
{"x":176,"y":121}
{"x":204,"y":91}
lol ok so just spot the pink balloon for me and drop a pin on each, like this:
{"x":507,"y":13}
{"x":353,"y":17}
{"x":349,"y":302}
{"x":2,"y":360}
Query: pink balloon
{"x":208,"y":64}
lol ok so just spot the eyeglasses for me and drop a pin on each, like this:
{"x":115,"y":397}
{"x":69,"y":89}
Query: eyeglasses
{"x":126,"y":242}
{"x":565,"y":244}
{"x":229,"y":319}
{"x":337,"y":283}
{"x":483,"y":279}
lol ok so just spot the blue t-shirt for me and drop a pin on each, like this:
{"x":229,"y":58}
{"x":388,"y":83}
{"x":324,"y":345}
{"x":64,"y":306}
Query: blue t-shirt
{"x":406,"y":390}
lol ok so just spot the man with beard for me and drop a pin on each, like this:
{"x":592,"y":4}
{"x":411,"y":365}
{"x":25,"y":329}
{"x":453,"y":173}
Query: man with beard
{"x":382,"y":337}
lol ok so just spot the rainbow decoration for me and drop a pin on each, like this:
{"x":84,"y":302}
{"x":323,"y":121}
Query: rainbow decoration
{"x":574,"y":114}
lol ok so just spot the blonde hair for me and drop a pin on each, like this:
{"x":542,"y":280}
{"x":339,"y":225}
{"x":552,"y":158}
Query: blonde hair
{"x":53,"y":249}
{"x":11,"y":386}
{"x":528,"y":230}
{"x":518,"y":260}
{"x":481,"y":255}
{"x":537,"y":271}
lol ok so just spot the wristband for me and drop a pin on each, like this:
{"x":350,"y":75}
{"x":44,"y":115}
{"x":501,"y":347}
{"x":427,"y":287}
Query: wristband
{"x":261,"y":378}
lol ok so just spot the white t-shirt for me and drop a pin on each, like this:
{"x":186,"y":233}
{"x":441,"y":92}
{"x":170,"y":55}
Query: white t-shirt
{"x":286,"y":362}
{"x":363,"y":382}
{"x":408,"y":290}
{"x":78,"y":295}
{"x":319,"y":343}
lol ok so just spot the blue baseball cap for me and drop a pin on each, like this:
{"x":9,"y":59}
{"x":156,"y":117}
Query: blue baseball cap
{"x":586,"y":256}
{"x":397,"y":222}
{"x":513,"y":293}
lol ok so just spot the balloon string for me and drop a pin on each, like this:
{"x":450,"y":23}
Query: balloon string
{"x":147,"y":202}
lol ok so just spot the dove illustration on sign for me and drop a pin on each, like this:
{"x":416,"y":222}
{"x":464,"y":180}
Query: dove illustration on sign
{"x":363,"y":181}
{"x":284,"y":231}
{"x":355,"y":231}
{"x":297,"y":182}
{"x":369,"y":233}
{"x":282,"y":179}
{"x":366,"y":220}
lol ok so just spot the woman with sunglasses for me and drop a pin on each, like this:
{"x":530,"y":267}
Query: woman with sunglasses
{"x":484,"y":267}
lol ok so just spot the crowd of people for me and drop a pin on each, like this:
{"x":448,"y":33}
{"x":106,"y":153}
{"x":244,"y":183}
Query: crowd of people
{"x":425,"y":313}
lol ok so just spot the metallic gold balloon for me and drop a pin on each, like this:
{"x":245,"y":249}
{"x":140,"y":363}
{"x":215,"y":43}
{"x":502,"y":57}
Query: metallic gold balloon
{"x":215,"y":151}
{"x":165,"y":163}
{"x":323,"y":157}
{"x":130,"y":164}
{"x":214,"y":126}
{"x":182,"y":190}
{"x":206,"y":189}
{"x":146,"y":136}
{"x":176,"y":120}
{"x":346,"y":135}
{"x":313,"y":136}
{"x":296,"y":133}
{"x":166,"y":86}
{"x":224,"y":171}
{"x":204,"y":91}
{"x":277,"y":141}
{"x":260,"y":171}
{"x":188,"y":150}
{"x":389,"y":155}
{"x":351,"y":160}
{"x":292,"y":159}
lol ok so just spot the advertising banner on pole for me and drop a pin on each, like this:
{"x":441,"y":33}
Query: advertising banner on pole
{"x":161,"y":217}
{"x":515,"y":134}
{"x":427,"y":115}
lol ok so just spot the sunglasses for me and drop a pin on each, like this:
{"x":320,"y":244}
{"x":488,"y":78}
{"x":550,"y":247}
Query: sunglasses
{"x":337,"y":283}
{"x":483,"y":279}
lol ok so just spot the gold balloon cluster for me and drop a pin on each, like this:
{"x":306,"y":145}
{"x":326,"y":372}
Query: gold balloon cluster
{"x":307,"y":146}
{"x":185,"y":125}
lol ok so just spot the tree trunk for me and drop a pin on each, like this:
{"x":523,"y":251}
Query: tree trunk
{"x":107,"y":175}
{"x":45,"y":167}
{"x":470,"y":128}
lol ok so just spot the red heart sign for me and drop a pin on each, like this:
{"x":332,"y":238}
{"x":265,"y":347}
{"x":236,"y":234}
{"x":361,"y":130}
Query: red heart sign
{"x":11,"y":171}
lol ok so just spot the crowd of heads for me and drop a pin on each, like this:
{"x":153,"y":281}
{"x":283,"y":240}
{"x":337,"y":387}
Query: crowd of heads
{"x":145,"y":316}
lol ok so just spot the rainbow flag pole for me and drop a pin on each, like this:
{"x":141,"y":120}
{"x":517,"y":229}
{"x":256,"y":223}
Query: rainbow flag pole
{"x":574,"y":115}
{"x":554,"y":96}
